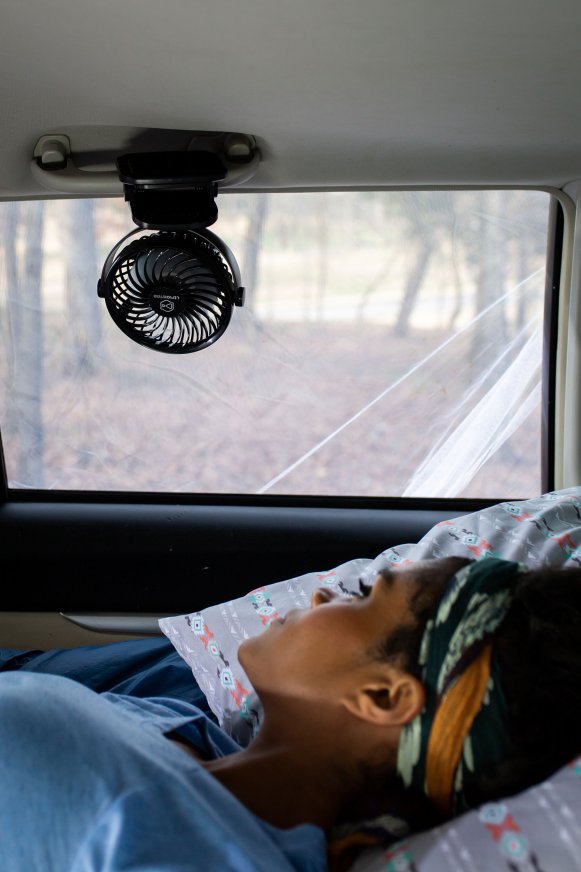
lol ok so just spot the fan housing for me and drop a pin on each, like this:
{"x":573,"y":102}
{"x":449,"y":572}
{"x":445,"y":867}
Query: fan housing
{"x":172,"y":291}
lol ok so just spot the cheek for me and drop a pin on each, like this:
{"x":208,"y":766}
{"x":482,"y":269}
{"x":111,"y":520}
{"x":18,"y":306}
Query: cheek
{"x":322,"y":644}
{"x":282,"y":659}
{"x":315,"y":649}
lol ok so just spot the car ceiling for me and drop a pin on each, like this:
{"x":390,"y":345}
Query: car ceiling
{"x":373,"y":93}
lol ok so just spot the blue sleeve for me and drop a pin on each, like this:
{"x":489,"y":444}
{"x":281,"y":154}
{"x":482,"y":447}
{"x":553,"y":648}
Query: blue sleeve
{"x":90,"y":783}
{"x":145,"y":831}
{"x":139,"y":667}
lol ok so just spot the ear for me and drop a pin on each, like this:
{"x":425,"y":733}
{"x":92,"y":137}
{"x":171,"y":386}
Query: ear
{"x":393,"y":701}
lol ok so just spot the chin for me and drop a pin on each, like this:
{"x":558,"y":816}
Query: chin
{"x":245,"y":654}
{"x":255,"y":654}
{"x":241,"y":652}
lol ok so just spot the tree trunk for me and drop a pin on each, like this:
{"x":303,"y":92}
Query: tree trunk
{"x":13,"y":312}
{"x":490,"y":331}
{"x":28,"y":374}
{"x":82,"y":273}
{"x":251,"y":259}
{"x":412,"y":287}
{"x":323,"y":242}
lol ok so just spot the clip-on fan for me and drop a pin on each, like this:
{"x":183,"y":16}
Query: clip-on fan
{"x":173,"y":290}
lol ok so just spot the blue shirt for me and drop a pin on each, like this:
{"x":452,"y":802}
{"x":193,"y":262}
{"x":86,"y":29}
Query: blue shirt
{"x":89,"y":782}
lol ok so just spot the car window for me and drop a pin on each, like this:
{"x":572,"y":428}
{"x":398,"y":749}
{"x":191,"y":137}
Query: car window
{"x":390,"y":345}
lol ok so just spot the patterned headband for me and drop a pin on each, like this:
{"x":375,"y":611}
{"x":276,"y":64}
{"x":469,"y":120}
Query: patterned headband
{"x":462,"y":730}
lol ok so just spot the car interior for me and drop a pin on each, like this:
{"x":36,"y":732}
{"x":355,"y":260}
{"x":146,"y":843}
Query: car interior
{"x":283,"y":287}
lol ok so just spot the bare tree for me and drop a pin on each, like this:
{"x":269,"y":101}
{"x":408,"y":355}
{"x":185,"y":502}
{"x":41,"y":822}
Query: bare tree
{"x":491,"y":330}
{"x":425,"y":229}
{"x":82,"y":272}
{"x":24,"y":225}
{"x":10,"y":219}
{"x":251,"y":256}
{"x":425,"y":249}
{"x":322,"y":254}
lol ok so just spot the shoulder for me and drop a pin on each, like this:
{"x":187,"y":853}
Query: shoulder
{"x":208,"y":823}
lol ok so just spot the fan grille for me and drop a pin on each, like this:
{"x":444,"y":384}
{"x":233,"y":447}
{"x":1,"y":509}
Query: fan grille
{"x":171,"y":294}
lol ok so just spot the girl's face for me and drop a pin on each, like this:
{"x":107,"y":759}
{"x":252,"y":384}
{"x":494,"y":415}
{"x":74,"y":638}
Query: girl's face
{"x":314,"y":653}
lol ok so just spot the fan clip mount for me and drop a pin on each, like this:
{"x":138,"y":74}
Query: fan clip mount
{"x":171,"y":189}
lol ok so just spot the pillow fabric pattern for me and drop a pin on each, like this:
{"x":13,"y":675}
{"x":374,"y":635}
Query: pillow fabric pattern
{"x":545,"y":531}
{"x":534,"y":831}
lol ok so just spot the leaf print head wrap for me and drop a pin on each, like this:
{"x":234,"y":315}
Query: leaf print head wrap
{"x":462,"y":729}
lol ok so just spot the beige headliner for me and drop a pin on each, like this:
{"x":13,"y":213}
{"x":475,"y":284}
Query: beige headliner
{"x":374,"y":92}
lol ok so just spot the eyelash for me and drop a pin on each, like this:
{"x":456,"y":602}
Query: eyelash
{"x":365,"y":589}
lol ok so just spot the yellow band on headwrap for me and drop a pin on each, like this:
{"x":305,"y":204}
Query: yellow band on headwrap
{"x":464,"y":722}
{"x":452,"y":722}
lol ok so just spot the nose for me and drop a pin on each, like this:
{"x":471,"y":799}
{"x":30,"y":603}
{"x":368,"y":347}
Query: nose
{"x":321,"y":596}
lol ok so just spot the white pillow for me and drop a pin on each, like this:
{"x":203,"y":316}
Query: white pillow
{"x":541,"y":531}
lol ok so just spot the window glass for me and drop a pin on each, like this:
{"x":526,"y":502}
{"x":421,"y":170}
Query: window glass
{"x":390,"y":345}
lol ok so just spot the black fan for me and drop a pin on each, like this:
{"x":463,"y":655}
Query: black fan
{"x":172,"y":291}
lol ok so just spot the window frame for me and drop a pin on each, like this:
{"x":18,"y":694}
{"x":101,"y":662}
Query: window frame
{"x":138,"y":553}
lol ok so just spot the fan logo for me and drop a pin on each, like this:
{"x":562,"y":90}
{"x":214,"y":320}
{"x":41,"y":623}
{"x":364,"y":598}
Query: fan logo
{"x":167,"y":304}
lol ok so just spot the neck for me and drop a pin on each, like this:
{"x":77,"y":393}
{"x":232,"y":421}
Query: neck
{"x":296,"y":771}
{"x":281,"y":786}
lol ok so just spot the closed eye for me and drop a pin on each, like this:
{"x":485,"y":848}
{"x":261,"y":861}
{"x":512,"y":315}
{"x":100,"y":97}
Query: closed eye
{"x":365,"y":589}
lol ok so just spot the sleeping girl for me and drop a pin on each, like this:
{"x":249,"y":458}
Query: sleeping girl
{"x":444,"y":684}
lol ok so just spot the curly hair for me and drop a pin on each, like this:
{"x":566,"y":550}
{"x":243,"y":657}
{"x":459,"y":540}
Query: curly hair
{"x":539,"y":650}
